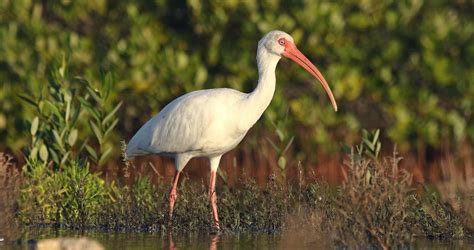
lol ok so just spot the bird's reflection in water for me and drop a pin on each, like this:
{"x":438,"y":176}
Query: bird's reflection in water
{"x":214,"y":240}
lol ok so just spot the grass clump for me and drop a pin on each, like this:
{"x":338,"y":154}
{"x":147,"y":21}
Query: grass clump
{"x":69,"y":197}
{"x":138,"y":207}
{"x":438,"y":219}
{"x":375,"y":204}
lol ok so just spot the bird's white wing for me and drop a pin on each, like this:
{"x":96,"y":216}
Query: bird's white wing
{"x":186,"y":124}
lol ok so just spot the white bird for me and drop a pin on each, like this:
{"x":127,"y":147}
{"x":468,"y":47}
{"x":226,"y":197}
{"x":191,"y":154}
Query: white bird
{"x":209,"y":123}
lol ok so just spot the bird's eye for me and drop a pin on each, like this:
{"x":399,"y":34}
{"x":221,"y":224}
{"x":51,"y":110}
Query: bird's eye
{"x":281,"y":41}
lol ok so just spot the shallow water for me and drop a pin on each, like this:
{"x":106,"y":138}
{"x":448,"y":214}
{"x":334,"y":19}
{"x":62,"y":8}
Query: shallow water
{"x":287,"y":240}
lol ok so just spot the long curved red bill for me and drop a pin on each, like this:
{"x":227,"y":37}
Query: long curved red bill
{"x":294,"y":54}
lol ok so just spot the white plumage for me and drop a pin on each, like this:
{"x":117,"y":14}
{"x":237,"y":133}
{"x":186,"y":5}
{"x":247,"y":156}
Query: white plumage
{"x":209,"y":123}
{"x":200,"y":123}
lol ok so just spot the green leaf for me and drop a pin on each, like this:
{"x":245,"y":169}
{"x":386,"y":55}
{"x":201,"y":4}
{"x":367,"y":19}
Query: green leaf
{"x":274,"y":146}
{"x":368,"y":144}
{"x":280,"y":134}
{"x":59,"y":139}
{"x":105,"y":155}
{"x":95,"y":114}
{"x":282,"y":162}
{"x":65,"y":157}
{"x":43,"y":153}
{"x":54,"y":156}
{"x":345,"y":148}
{"x":108,"y":82}
{"x":91,"y":152}
{"x":377,"y":149}
{"x":76,"y":111}
{"x":34,"y":126}
{"x":111,"y":127}
{"x":94,"y":95}
{"x":62,"y":69}
{"x":34,"y":153}
{"x":52,"y":108}
{"x":110,"y":116}
{"x":96,"y":131}
{"x":376,"y":136}
{"x":72,"y":137}
{"x":288,"y":145}
{"x":68,"y":99}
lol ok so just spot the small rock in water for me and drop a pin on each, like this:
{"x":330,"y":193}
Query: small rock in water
{"x":69,"y":244}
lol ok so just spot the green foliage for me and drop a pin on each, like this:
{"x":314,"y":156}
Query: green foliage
{"x":404,"y":66}
{"x":69,"y":197}
{"x":283,"y":143}
{"x":55,"y":128}
{"x":370,"y":146}
{"x":54,"y":131}
{"x":104,"y":117}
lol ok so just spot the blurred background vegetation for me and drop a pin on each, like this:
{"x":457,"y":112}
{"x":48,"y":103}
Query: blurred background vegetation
{"x":406,"y":67}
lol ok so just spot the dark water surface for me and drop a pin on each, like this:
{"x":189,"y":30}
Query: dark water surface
{"x":287,"y":240}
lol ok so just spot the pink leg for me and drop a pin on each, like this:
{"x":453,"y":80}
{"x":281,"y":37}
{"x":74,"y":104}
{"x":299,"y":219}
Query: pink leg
{"x":173,"y":195}
{"x":213,"y":199}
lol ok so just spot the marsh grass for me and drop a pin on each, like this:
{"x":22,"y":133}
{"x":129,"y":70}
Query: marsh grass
{"x":76,"y":198}
{"x":375,"y":203}
{"x":375,"y":206}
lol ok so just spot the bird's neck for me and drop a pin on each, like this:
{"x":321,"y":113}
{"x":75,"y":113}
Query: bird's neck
{"x":259,"y":99}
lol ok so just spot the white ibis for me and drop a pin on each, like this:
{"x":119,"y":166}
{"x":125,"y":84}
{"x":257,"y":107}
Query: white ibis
{"x":209,"y":123}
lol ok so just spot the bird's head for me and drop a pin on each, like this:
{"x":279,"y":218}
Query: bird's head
{"x":281,"y":44}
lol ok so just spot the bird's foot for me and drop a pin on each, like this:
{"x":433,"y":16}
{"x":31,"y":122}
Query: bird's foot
{"x":216,"y":229}
{"x":212,"y":196}
{"x":172,"y":198}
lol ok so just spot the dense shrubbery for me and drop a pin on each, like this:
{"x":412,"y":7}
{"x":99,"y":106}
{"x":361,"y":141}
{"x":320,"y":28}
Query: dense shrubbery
{"x":403,"y":66}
